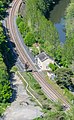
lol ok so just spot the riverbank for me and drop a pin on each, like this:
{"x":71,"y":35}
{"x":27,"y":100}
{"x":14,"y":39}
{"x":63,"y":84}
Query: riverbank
{"x":57,"y":17}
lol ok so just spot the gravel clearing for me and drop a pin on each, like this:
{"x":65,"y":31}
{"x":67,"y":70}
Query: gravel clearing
{"x":21,"y":108}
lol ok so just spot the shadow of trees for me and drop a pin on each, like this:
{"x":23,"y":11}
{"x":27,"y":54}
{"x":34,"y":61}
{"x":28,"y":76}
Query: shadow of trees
{"x":14,"y":88}
{"x":3,"y":8}
{"x":9,"y":54}
{"x":50,"y":8}
{"x":8,"y":51}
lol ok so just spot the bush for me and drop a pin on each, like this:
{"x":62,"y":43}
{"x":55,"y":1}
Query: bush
{"x":29,"y":39}
{"x":37,"y":86}
{"x":53,"y":66}
{"x":35,"y":51}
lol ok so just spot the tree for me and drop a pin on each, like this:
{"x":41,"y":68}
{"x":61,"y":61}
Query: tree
{"x":3,"y":5}
{"x":2,"y":36}
{"x":29,"y":39}
{"x":63,"y":77}
{"x":43,"y":29}
{"x":53,"y":66}
{"x":35,"y":51}
{"x":68,"y":51}
{"x":5,"y":89}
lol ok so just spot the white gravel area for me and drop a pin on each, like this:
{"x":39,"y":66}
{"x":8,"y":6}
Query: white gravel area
{"x":21,"y":108}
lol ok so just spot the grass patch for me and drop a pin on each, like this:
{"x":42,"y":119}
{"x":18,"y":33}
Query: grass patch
{"x":31,"y":81}
{"x":37,"y":91}
{"x":3,"y":107}
{"x":65,"y":92}
{"x":35,"y":88}
{"x":69,"y":95}
{"x":50,"y":109}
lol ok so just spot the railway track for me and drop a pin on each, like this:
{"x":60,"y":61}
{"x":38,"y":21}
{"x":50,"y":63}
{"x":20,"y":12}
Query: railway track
{"x":47,"y":88}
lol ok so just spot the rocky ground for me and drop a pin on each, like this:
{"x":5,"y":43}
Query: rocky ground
{"x":21,"y":107}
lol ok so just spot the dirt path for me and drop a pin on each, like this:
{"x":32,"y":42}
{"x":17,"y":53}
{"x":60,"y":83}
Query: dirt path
{"x":21,"y":108}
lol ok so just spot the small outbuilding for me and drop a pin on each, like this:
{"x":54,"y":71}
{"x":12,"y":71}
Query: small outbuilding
{"x":43,"y":60}
{"x":51,"y":75}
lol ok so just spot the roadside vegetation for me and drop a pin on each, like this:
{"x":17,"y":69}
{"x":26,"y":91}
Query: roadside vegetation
{"x":41,"y":31}
{"x":5,"y":89}
{"x":52,"y":110}
{"x":4,"y":4}
{"x":48,"y":106}
{"x":36,"y":26}
{"x":65,"y":55}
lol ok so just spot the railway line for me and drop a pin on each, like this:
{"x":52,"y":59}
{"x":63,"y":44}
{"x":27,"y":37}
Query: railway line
{"x":47,"y":88}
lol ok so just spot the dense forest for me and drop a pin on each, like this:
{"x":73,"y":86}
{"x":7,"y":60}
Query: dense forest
{"x":36,"y":24}
{"x":39,"y":29}
{"x":36,"y":27}
{"x":69,"y":44}
{"x":5,"y":89}
{"x":66,"y":52}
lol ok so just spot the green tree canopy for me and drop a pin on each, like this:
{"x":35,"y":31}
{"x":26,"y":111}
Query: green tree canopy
{"x":29,"y":39}
{"x":63,"y":77}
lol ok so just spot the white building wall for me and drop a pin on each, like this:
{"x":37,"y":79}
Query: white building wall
{"x":44,"y":65}
{"x":39,"y":63}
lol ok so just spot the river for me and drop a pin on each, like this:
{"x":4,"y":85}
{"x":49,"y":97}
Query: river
{"x":57,"y":17}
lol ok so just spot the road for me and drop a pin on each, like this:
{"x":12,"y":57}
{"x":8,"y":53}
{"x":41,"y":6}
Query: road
{"x":47,"y":88}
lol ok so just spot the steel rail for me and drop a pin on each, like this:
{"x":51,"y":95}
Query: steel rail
{"x":47,"y":88}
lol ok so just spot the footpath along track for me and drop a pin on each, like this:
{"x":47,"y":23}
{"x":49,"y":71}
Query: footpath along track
{"x":47,"y":88}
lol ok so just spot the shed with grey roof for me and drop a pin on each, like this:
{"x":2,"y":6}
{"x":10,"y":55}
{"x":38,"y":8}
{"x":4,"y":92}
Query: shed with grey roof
{"x":42,"y":56}
{"x":43,"y":60}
